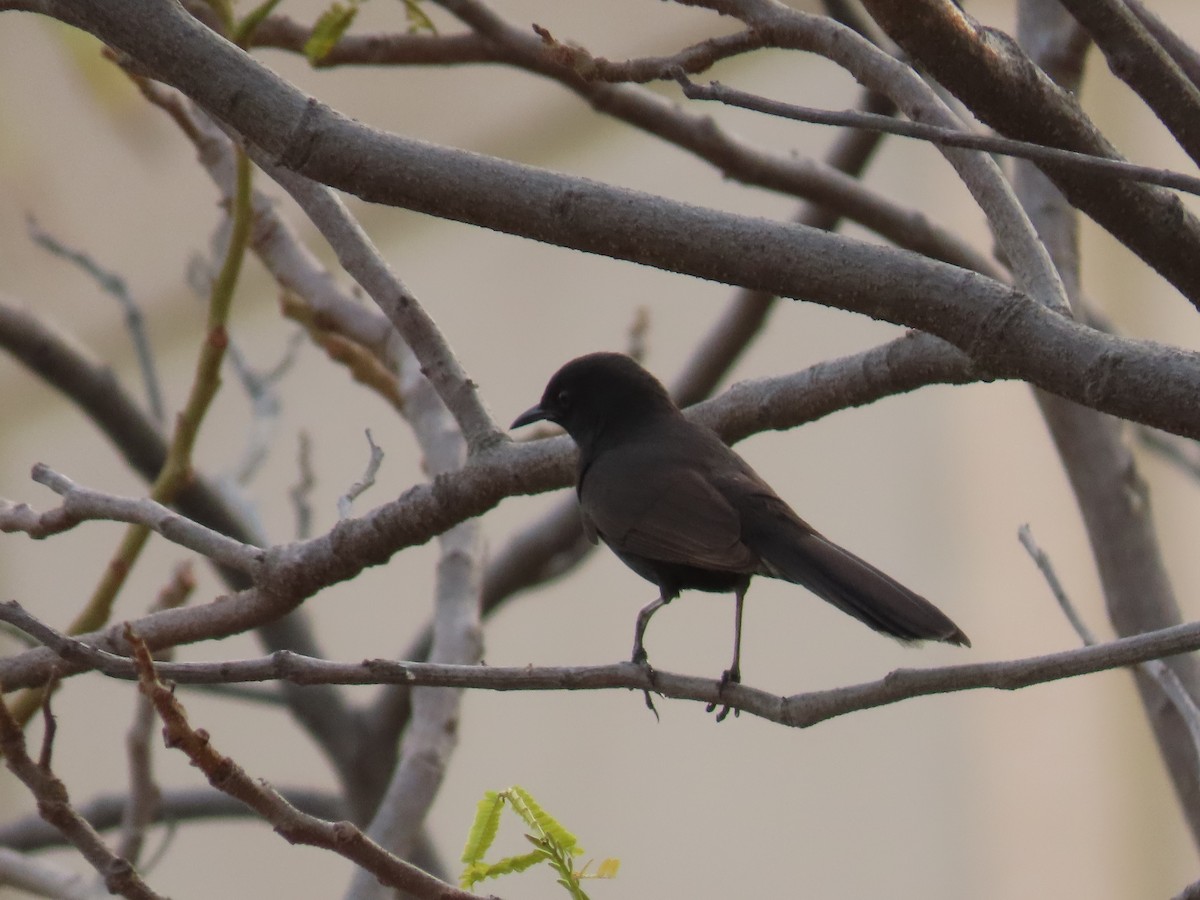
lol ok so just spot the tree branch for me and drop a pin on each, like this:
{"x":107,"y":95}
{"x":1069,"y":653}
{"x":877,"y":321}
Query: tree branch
{"x":1112,"y":497}
{"x":60,"y":362}
{"x":363,"y":262}
{"x":989,"y":72}
{"x":797,"y":711}
{"x":941,"y":136}
{"x":80,"y":504}
{"x":1137,"y":59}
{"x":1007,"y":334}
{"x":706,"y":139}
{"x":54,"y":805}
{"x":1180,"y":51}
{"x":106,"y":813}
{"x":293,"y":825}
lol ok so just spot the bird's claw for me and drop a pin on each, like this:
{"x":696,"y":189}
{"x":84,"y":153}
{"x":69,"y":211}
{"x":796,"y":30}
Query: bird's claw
{"x":641,"y":659}
{"x":729,"y":676}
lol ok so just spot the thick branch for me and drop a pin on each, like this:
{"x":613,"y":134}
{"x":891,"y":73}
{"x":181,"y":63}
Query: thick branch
{"x":1000,"y":84}
{"x":1103,"y":473}
{"x":1006,"y":333}
{"x":1137,"y":59}
{"x":289,"y":574}
{"x":1184,"y":55}
{"x":705,"y":138}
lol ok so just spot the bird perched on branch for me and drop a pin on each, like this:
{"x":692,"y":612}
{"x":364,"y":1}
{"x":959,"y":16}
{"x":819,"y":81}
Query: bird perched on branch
{"x":684,"y":511}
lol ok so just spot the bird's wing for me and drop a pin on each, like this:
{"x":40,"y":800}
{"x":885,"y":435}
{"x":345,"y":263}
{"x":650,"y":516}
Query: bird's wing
{"x":680,"y":519}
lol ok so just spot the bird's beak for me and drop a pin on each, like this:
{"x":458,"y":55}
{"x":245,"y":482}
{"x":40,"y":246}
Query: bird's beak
{"x":534,"y":414}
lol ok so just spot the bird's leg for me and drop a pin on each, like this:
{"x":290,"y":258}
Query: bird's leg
{"x":733,"y":674}
{"x":639,"y":647}
{"x":639,"y":633}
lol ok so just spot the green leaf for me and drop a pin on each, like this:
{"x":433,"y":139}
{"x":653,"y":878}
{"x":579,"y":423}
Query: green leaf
{"x":483,"y":829}
{"x":552,"y":843}
{"x":538,"y":818}
{"x":329,"y":30}
{"x":481,"y":870}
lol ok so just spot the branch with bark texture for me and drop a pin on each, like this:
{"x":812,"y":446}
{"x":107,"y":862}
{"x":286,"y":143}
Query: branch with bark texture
{"x":289,"y":574}
{"x":293,"y":825}
{"x":978,"y":328}
{"x":55,"y":807}
{"x":1103,"y":473}
{"x":1006,"y":333}
{"x":1004,"y":88}
{"x":91,"y":386}
{"x":80,"y":504}
{"x":796,"y":711}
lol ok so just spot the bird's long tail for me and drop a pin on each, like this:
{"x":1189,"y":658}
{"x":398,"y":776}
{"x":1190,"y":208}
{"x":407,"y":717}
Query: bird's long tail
{"x":856,"y":587}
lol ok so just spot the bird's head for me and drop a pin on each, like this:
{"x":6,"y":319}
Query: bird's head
{"x":590,"y":394}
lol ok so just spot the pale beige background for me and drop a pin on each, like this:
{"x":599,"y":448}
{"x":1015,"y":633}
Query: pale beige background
{"x":1053,"y":791}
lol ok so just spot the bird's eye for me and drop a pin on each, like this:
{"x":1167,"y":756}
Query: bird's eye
{"x":564,"y":398}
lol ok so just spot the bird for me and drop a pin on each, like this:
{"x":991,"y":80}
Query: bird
{"x":681,"y":509}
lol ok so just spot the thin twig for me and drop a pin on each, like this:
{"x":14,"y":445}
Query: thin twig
{"x":346,"y":502}
{"x":265,"y":405}
{"x":81,"y":504}
{"x":1042,"y":561}
{"x":943,"y":137}
{"x":799,"y":710}
{"x":54,"y":805}
{"x":301,"y":491}
{"x":144,"y":794}
{"x":135,"y":322}
{"x":106,"y":812}
{"x":359,"y":257}
{"x":293,"y":825}
{"x":367,"y":365}
{"x":1155,"y":668}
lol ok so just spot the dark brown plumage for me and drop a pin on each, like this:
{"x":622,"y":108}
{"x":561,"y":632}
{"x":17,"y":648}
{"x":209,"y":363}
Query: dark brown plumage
{"x":685,"y":512}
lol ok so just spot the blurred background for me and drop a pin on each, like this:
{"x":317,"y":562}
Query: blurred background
{"x":1051,"y":791}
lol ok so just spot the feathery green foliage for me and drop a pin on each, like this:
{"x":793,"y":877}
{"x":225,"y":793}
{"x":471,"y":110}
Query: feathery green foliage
{"x":553,"y":844}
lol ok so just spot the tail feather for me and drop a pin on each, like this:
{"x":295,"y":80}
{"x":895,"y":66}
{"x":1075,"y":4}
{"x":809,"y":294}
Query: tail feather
{"x":856,"y":588}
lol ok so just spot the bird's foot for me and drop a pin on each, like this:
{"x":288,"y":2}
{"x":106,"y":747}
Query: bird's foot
{"x":729,"y":676}
{"x":641,"y":659}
